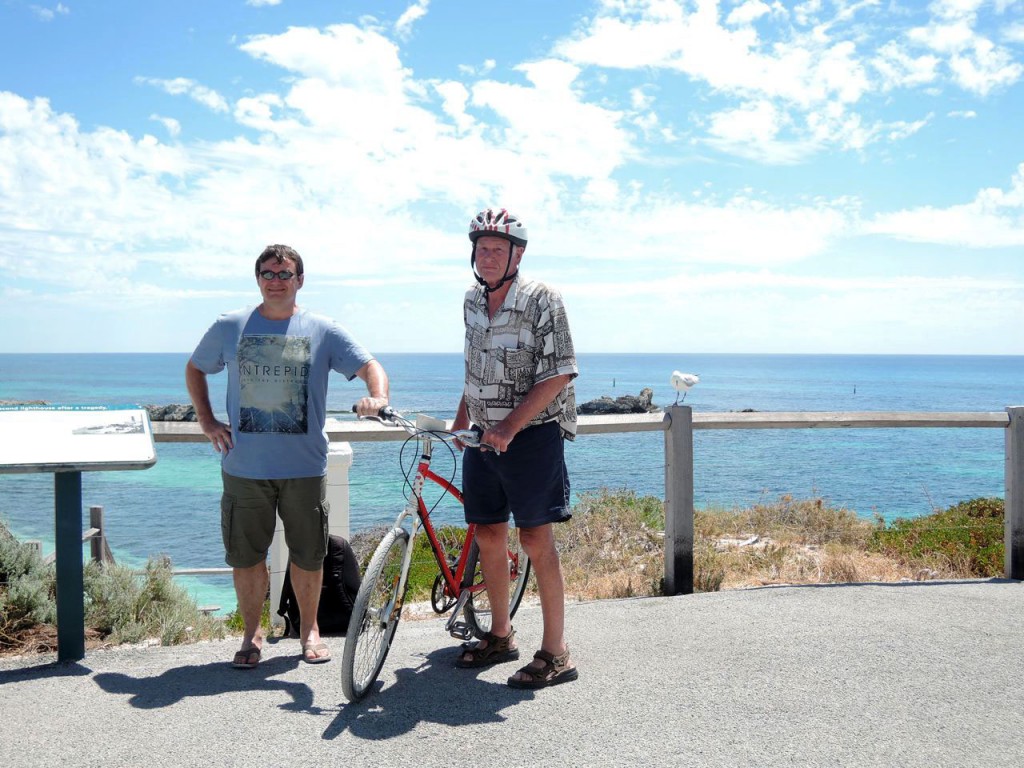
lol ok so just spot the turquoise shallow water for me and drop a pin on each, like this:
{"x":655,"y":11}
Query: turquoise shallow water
{"x":172,"y":508}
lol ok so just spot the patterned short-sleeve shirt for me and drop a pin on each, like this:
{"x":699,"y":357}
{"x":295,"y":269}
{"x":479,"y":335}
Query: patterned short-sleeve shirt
{"x":526,"y":342}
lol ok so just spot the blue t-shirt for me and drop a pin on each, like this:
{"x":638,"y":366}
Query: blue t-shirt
{"x":277,"y":388}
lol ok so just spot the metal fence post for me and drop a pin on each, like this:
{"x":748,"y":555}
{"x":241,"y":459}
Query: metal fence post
{"x":70,"y":578}
{"x":1013,"y":535}
{"x":679,"y":501}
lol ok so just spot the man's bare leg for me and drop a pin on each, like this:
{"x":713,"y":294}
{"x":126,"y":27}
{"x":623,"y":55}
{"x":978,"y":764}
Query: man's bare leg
{"x":307,"y":594}
{"x":251,"y":590}
{"x":493,"y":543}
{"x":539,"y":544}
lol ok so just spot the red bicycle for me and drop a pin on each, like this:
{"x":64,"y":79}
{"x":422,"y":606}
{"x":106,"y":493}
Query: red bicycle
{"x":459,"y":585}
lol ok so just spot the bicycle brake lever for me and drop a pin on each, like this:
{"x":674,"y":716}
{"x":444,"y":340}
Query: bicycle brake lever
{"x":471,"y":439}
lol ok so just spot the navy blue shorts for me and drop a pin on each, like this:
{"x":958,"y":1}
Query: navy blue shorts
{"x":529,"y":480}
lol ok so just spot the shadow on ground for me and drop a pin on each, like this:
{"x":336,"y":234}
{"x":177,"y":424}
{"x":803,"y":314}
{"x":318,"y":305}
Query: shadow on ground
{"x":433,"y":692}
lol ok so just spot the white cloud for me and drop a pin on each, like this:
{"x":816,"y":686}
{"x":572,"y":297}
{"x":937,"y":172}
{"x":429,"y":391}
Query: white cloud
{"x":900,"y":69}
{"x":182,"y":86}
{"x":341,"y":55}
{"x":994,"y":219}
{"x":818,"y":73}
{"x":454,"y":97}
{"x":737,"y":310}
{"x":172,"y":126}
{"x":669,"y":233}
{"x":752,"y":131}
{"x":66,"y":194}
{"x":966,"y":114}
{"x":552,"y":126}
{"x":975,"y":62}
{"x":747,"y":13}
{"x":412,"y":14}
{"x":49,"y":14}
{"x":262,"y":3}
{"x":1013,"y":33}
{"x":372,"y":169}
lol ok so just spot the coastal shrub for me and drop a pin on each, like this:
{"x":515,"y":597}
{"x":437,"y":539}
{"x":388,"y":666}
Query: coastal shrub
{"x":126,"y":607}
{"x":423,"y":569}
{"x":233,"y":621}
{"x":809,"y":521}
{"x":838,"y":565}
{"x":120,"y":605}
{"x":964,"y":540}
{"x":27,"y":590}
{"x":708,"y":569}
{"x":785,"y":541}
{"x":614,"y":546}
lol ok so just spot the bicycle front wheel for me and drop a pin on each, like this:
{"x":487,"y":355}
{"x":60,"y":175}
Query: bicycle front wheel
{"x":478,"y":607}
{"x":375,"y":616}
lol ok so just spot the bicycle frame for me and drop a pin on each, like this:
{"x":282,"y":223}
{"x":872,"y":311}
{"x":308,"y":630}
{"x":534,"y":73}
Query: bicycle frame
{"x":416,"y":512}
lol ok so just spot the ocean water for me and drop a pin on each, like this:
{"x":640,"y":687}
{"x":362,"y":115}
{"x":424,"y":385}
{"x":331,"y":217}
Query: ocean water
{"x":172,"y":508}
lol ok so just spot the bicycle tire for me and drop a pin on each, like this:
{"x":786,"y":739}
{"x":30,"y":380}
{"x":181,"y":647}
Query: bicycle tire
{"x":370,"y":631}
{"x":478,"y":610}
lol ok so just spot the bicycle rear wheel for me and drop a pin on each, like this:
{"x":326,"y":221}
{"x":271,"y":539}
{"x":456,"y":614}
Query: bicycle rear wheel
{"x":375,"y":616}
{"x":478,"y":607}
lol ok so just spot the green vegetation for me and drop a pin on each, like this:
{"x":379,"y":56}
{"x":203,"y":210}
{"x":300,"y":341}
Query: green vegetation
{"x":966,"y":538}
{"x":423,"y":569}
{"x":121,"y":606}
{"x":233,"y":621}
{"x":27,"y":590}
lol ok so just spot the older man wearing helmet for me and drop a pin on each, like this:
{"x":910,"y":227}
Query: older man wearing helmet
{"x":520,"y":364}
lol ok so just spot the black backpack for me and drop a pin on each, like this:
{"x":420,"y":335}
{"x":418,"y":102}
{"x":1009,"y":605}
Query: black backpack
{"x":337,"y":595}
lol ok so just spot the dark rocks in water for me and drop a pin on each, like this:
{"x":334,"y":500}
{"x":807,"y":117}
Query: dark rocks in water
{"x":626,"y":404}
{"x":172,"y":412}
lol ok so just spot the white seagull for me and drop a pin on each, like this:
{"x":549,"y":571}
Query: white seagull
{"x":682,"y":383}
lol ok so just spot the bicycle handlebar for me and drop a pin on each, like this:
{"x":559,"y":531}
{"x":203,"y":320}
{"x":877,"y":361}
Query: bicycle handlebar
{"x":470,"y":438}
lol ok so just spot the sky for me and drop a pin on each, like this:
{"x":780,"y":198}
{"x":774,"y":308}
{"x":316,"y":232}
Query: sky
{"x":826,"y":176}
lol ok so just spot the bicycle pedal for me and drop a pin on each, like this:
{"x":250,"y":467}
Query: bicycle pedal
{"x":461,"y":630}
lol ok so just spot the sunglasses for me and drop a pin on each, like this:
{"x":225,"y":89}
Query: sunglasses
{"x":268,"y":275}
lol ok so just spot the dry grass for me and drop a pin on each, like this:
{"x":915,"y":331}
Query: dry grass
{"x":614,"y":547}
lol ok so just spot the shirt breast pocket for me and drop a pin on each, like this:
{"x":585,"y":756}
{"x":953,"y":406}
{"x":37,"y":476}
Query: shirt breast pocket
{"x":519,"y":369}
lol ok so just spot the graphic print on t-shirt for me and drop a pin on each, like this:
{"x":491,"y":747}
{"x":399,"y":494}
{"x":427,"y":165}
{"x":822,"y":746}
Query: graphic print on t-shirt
{"x":273,"y":373}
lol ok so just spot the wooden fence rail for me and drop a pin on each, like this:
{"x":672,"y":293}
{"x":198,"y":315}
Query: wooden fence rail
{"x":679,"y":422}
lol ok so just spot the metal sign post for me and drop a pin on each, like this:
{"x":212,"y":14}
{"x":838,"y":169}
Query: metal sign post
{"x":67,"y":440}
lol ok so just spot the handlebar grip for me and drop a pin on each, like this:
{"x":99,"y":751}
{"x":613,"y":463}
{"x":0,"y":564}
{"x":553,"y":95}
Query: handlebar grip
{"x":387,"y":413}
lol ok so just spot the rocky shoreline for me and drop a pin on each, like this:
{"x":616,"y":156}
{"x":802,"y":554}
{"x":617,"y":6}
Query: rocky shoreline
{"x":172,"y":412}
{"x":626,"y":404}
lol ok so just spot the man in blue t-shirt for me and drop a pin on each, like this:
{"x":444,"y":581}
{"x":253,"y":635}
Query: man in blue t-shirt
{"x":274,"y":449}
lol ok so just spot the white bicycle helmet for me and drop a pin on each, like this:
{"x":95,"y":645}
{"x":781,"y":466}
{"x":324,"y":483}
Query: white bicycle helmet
{"x":497,"y":222}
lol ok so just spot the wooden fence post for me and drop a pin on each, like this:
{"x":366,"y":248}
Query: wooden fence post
{"x":1013,"y":507}
{"x":679,"y":501}
{"x":98,"y":545}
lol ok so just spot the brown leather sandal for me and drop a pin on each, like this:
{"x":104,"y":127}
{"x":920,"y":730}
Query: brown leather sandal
{"x":497,"y":651}
{"x":555,"y":671}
